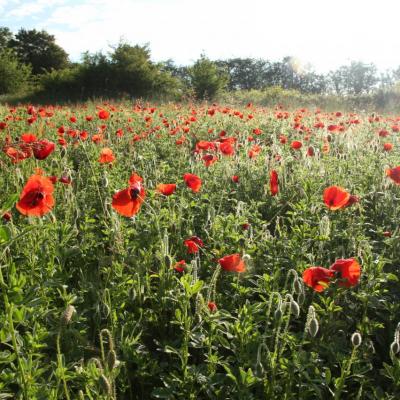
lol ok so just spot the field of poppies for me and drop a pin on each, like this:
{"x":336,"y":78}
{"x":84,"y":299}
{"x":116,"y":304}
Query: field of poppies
{"x":197,"y":251}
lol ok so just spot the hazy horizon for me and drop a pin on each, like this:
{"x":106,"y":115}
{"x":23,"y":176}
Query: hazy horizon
{"x":325,"y":36}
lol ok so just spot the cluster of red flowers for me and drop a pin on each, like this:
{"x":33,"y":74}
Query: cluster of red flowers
{"x":36,"y":198}
{"x":348,"y":272}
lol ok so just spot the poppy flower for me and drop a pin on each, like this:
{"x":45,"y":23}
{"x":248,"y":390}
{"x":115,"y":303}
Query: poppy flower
{"x":193,"y":182}
{"x":394,"y":174}
{"x":227,"y":149}
{"x":209,"y":159}
{"x":103,"y":114}
{"x":349,"y":271}
{"x":127,"y":202}
{"x":28,"y":138}
{"x":273,"y":183}
{"x":335,"y":197}
{"x":296,"y":145}
{"x":387,"y":146}
{"x":235,"y":179}
{"x":6,"y":216}
{"x":66,"y":180}
{"x":180,"y":266}
{"x":166,"y":188}
{"x":42,"y":149}
{"x":317,"y":278}
{"x":106,"y":156}
{"x":212,"y":306}
{"x":232,"y":263}
{"x":37,"y":196}
{"x":15,"y":154}
{"x":254,"y":151}
{"x":193,"y":244}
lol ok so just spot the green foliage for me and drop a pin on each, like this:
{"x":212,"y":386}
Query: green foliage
{"x":39,"y":50}
{"x":14,"y":76}
{"x":206,"y":79}
{"x":91,"y":306}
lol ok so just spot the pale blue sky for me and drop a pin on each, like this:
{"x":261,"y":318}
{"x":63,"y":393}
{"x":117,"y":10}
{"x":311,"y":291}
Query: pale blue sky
{"x":324,"y":33}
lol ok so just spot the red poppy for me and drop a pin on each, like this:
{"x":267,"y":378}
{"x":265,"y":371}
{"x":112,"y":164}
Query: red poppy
{"x":232,"y":263}
{"x":209,"y":159}
{"x":235,"y":179}
{"x":317,"y":277}
{"x":193,"y":182}
{"x":66,"y":180}
{"x":16,"y":155}
{"x":43,"y":149}
{"x":310,"y":151}
{"x":127,"y":202}
{"x":7,"y":216}
{"x":273,"y":183}
{"x":394,"y":174}
{"x":227,"y":149}
{"x":349,"y":270}
{"x":180,"y":266}
{"x":204,"y":145}
{"x":387,"y":146}
{"x":193,"y":244}
{"x":254,"y":151}
{"x":28,"y":138}
{"x":336,"y":197}
{"x":296,"y":145}
{"x":103,"y":114}
{"x":106,"y":156}
{"x":166,"y":188}
{"x":212,"y":306}
{"x":36,"y":197}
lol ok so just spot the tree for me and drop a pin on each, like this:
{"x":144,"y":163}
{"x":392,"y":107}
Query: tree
{"x":356,"y":78}
{"x":133,"y":71}
{"x":245,"y":73}
{"x":14,"y":76}
{"x":206,"y":79}
{"x":5,"y":37}
{"x":39,"y":49}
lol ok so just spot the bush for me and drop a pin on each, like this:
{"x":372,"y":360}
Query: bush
{"x":14,"y":76}
{"x":206,"y":79}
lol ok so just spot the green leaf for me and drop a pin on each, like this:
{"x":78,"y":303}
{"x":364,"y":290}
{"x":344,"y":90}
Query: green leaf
{"x":9,"y":203}
{"x":5,"y":234}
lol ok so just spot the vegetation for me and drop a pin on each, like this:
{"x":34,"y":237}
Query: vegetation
{"x":187,"y":251}
{"x":127,"y":70}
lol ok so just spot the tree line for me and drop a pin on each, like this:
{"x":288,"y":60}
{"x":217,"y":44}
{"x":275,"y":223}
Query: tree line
{"x":33,"y":59}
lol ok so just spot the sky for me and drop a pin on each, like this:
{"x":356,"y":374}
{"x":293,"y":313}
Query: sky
{"x":323,"y":33}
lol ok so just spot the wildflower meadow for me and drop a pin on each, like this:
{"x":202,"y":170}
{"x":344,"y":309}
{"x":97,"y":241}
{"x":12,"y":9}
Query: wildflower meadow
{"x":198,"y":251}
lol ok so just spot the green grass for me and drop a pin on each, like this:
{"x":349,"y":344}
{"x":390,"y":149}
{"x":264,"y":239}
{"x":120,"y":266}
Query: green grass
{"x":91,"y":307}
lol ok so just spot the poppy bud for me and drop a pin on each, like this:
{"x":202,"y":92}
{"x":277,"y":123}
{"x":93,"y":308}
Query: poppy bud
{"x":104,"y":181}
{"x":81,"y":395}
{"x":105,"y":384}
{"x":67,"y":314}
{"x":301,"y":297}
{"x":298,"y":286}
{"x":112,"y":361}
{"x":278,"y":313}
{"x":395,"y":348}
{"x":356,"y":339}
{"x":313,"y":328}
{"x":294,"y":308}
{"x":6,"y":216}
